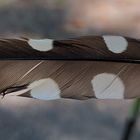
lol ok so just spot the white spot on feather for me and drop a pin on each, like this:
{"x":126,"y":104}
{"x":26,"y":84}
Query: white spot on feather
{"x":45,"y":89}
{"x":108,"y":86}
{"x":41,"y":45}
{"x":116,"y":44}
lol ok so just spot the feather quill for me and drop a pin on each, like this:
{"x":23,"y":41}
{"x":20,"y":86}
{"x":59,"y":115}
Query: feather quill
{"x":103,"y":67}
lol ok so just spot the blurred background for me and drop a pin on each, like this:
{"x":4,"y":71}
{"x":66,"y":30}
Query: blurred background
{"x":22,"y":118}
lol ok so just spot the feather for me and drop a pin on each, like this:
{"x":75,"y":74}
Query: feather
{"x":103,"y":67}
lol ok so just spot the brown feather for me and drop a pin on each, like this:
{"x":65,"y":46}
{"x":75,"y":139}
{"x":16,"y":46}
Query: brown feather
{"x":72,"y":64}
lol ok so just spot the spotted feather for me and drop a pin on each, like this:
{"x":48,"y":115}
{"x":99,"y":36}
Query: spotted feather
{"x":103,"y":67}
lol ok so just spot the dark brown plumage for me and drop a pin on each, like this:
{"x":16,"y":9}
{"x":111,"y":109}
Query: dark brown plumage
{"x":82,"y":68}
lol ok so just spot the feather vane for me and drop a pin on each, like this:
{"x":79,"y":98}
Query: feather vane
{"x":103,"y":67}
